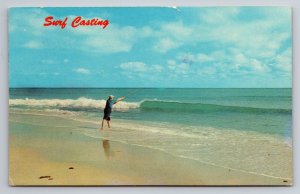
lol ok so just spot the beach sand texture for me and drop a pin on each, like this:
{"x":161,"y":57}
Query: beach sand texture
{"x":46,"y":149}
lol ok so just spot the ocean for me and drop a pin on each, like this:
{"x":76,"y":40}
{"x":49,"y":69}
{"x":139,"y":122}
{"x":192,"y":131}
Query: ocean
{"x":248,"y":130}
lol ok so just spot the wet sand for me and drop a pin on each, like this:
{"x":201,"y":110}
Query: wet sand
{"x":41,"y":154}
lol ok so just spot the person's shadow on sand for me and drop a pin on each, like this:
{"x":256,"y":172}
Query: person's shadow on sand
{"x":106,"y":147}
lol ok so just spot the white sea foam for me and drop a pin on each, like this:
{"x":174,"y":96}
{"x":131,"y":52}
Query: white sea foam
{"x":80,"y":103}
{"x":220,"y":147}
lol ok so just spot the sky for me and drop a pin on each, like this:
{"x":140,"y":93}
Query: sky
{"x":177,"y":47}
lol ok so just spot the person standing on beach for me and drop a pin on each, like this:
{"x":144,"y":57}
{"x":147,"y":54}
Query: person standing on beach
{"x":108,"y":109}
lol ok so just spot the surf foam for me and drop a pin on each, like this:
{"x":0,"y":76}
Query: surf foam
{"x":71,"y":104}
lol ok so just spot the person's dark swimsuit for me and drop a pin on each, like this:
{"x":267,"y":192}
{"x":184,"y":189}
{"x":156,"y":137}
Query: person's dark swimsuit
{"x":107,"y":109}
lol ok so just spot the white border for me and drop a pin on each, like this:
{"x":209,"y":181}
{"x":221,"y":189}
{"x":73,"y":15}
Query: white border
{"x":4,"y":188}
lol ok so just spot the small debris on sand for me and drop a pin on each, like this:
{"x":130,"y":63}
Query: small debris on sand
{"x":71,"y":168}
{"x":46,"y":177}
{"x":43,"y":177}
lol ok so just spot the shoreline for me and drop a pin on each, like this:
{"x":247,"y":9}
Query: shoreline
{"x":111,"y":160}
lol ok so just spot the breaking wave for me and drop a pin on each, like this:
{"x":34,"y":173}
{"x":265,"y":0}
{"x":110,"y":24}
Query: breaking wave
{"x":80,"y":104}
{"x":86,"y":104}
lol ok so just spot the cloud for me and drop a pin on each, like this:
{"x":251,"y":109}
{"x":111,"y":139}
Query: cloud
{"x":48,"y":61}
{"x":170,"y":36}
{"x":284,"y":60}
{"x":178,"y":68}
{"x":226,"y":42}
{"x":258,"y":66}
{"x":141,"y":70}
{"x":134,"y":66}
{"x":202,"y":58}
{"x":207,"y":71}
{"x":113,"y":39}
{"x":82,"y":71}
{"x":240,"y":58}
{"x":217,"y":15}
{"x":258,"y":38}
{"x":233,"y":44}
{"x":157,"y":68}
{"x":32,"y":24}
{"x":33,"y":45}
{"x":166,"y":44}
{"x":141,"y":67}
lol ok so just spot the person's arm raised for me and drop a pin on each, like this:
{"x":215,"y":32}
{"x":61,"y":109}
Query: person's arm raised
{"x":119,"y":99}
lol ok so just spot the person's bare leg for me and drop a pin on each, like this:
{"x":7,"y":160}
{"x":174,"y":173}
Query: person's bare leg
{"x":108,"y":124}
{"x":102,"y":124}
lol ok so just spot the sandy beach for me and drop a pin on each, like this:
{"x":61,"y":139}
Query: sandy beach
{"x":41,"y":154}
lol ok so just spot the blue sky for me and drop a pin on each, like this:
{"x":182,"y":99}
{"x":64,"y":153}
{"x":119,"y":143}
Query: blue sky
{"x":212,"y":47}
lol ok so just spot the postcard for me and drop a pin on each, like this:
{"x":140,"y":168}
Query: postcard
{"x":104,"y":96}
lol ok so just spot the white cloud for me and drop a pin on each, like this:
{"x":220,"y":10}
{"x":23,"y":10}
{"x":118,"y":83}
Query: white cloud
{"x":171,"y":64}
{"x":206,"y":71}
{"x":240,"y":59}
{"x":113,"y":39}
{"x":110,"y":40}
{"x":147,"y":31}
{"x":82,"y":71}
{"x":217,"y":15}
{"x":202,"y":58}
{"x":33,"y":45}
{"x":166,"y":44}
{"x":231,"y":43}
{"x":171,"y":36}
{"x":178,"y":68}
{"x":183,"y":68}
{"x":33,"y":21}
{"x":214,"y":57}
{"x":284,"y":60}
{"x":257,"y":38}
{"x":134,"y":66}
{"x":47,"y":61}
{"x":141,"y":67}
{"x":258,"y":66}
{"x":107,"y":45}
{"x":186,"y":57}
{"x":178,"y":30}
{"x":157,"y":68}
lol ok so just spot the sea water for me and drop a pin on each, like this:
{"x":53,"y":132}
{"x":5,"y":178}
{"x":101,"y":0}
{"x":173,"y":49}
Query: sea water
{"x":261,"y":110}
{"x":248,"y":130}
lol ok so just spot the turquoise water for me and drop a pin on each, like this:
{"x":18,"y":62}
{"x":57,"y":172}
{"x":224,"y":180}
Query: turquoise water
{"x":260,"y":110}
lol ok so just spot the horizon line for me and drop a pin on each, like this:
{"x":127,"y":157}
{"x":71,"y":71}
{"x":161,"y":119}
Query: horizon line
{"x":149,"y":88}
